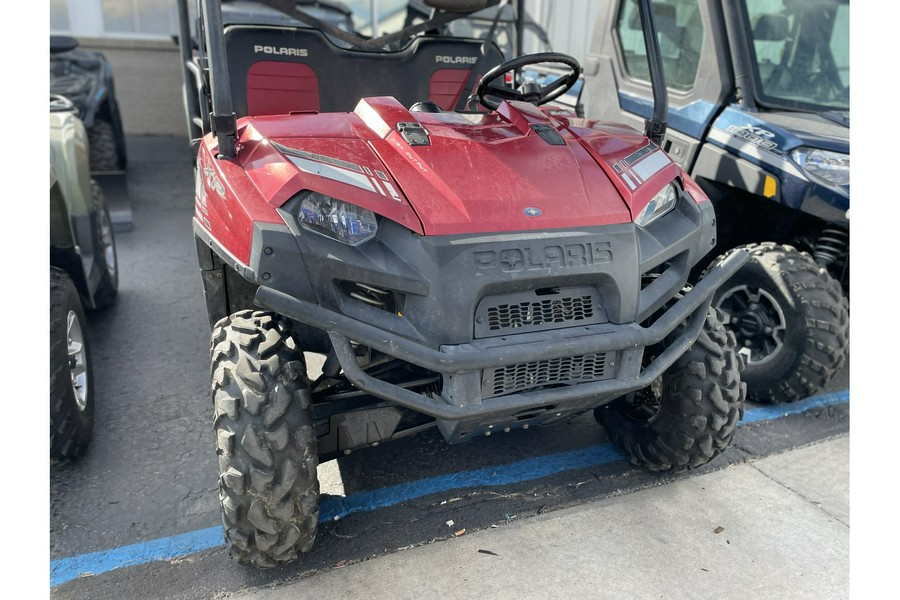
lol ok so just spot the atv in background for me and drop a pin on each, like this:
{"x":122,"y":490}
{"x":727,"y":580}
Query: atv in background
{"x":86,"y":79}
{"x":759,"y":95}
{"x":477,"y":271}
{"x":83,"y":274}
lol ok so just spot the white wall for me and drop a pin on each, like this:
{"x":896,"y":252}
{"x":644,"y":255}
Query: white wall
{"x":569,"y":23}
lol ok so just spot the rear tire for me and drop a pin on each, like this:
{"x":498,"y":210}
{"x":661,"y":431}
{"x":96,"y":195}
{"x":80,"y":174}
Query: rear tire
{"x":104,"y":155}
{"x":689,"y":415}
{"x":791,"y":321}
{"x":105,"y":248}
{"x":71,"y":380}
{"x":268,"y":486}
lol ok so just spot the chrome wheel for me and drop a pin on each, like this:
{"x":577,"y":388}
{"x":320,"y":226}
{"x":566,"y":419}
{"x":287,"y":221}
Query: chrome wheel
{"x":77,"y":360}
{"x":107,"y":245}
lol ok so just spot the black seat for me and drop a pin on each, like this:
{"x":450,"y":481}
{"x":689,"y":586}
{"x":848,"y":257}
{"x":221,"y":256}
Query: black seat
{"x":276,"y":70}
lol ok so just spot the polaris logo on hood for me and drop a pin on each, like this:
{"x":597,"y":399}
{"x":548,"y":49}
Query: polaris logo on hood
{"x":281,"y":51}
{"x":456,"y":60}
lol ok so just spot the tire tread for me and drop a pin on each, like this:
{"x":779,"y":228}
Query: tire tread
{"x":823,"y":349}
{"x":270,"y":505}
{"x":703,"y":401}
{"x":71,"y":430}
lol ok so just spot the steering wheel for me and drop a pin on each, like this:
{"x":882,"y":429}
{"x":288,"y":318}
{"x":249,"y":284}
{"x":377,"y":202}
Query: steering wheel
{"x":538,"y":94}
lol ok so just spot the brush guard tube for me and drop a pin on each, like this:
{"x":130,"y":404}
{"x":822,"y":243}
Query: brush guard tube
{"x":485,"y":354}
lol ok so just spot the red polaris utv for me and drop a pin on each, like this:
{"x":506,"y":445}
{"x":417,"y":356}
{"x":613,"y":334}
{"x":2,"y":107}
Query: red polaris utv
{"x":477,"y":270}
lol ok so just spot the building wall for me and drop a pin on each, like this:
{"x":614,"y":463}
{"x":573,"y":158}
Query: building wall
{"x":148,"y":83}
{"x":569,"y":23}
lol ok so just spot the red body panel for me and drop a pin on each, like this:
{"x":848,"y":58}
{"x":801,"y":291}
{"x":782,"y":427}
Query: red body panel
{"x":480,"y":173}
{"x":610,"y":144}
{"x":227,"y":204}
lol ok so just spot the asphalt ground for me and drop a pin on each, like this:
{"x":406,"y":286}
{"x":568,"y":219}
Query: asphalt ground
{"x":138,"y":517}
{"x":379,"y":521}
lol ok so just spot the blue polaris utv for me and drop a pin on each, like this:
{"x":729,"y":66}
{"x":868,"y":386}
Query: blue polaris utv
{"x":758,"y":94}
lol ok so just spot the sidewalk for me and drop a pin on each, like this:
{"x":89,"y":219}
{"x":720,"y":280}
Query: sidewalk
{"x":775,"y":528}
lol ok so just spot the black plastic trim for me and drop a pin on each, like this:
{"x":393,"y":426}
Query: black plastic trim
{"x":481,"y":354}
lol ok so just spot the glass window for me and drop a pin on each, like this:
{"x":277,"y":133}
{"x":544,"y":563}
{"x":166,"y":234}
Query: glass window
{"x":146,"y":17}
{"x":59,"y":15}
{"x":802,"y":51}
{"x":679,"y":28}
{"x":840,"y":43}
{"x":391,"y":15}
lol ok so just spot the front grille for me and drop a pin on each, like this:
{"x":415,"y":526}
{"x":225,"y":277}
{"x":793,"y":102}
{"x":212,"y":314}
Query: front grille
{"x":555,"y":371}
{"x":558,"y":310}
{"x":538,"y":310}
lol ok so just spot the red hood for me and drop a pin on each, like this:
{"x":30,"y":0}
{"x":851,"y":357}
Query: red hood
{"x":479,"y":173}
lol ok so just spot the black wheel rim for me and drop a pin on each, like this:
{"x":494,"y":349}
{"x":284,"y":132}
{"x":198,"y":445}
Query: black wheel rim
{"x":644,"y":404}
{"x":757,"y":321}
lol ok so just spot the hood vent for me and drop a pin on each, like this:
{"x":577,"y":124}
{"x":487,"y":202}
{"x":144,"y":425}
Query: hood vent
{"x":414,"y":134}
{"x":548,"y":134}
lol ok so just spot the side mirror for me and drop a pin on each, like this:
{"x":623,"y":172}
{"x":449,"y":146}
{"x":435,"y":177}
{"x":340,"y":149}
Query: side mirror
{"x":62,"y":43}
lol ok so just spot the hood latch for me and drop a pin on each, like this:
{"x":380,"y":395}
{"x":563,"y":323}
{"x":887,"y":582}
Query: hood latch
{"x":414,"y":134}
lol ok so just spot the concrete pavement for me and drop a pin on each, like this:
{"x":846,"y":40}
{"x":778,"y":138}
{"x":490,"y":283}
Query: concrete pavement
{"x":775,"y":528}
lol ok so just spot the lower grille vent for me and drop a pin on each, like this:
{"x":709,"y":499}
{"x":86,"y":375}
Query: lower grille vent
{"x":556,"y":371}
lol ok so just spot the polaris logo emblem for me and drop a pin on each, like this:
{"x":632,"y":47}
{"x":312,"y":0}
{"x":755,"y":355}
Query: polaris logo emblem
{"x":547,"y":258}
{"x":456,"y":60}
{"x":532,"y":211}
{"x":278,"y":51}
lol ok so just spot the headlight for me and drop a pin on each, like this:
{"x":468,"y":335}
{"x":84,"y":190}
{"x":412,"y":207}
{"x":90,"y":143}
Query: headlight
{"x":660,"y":204}
{"x":833,"y":167}
{"x":337,"y":219}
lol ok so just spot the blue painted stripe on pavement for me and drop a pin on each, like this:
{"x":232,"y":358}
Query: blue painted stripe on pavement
{"x":524,"y":470}
{"x":776,"y":411}
{"x":67,"y":569}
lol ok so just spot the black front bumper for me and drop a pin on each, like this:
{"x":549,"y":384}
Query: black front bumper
{"x":627,"y":342}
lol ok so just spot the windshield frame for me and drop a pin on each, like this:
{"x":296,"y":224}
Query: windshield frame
{"x":764,"y":97}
